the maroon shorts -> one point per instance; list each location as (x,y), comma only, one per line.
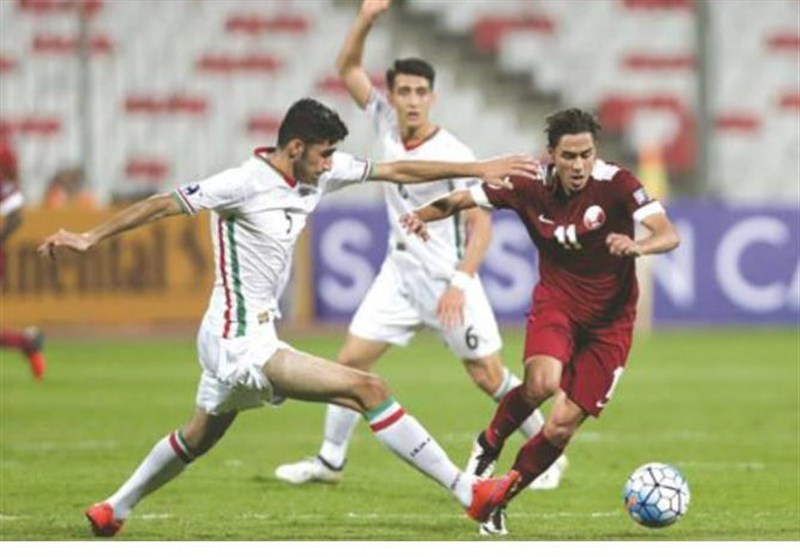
(593,357)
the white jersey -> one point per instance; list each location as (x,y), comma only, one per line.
(257,215)
(445,248)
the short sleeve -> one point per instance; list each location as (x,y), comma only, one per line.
(221,191)
(345,170)
(637,201)
(382,114)
(11,198)
(493,197)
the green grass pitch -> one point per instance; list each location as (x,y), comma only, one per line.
(723,406)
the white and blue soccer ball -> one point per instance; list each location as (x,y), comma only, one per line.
(656,495)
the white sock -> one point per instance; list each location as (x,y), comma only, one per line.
(166,460)
(339,425)
(535,421)
(406,437)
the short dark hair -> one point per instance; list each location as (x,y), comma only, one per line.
(410,66)
(311,122)
(570,121)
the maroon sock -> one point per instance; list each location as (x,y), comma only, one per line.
(13,339)
(533,458)
(510,413)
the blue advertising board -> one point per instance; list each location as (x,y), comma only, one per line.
(736,265)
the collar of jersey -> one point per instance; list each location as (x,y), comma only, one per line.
(411,146)
(261,154)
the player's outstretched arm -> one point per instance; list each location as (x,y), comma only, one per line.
(148,210)
(348,62)
(438,209)
(663,238)
(495,171)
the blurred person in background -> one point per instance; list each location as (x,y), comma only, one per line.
(67,188)
(433,284)
(258,210)
(580,213)
(29,340)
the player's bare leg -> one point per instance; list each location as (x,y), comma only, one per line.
(340,422)
(166,460)
(306,377)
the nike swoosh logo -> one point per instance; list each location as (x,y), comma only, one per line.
(545,220)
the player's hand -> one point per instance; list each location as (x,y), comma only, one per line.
(371,9)
(415,225)
(450,309)
(65,239)
(622,245)
(499,171)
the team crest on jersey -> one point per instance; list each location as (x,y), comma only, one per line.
(594,217)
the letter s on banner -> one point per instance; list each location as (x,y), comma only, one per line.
(752,297)
(345,294)
(511,295)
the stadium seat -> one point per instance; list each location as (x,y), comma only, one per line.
(46,43)
(7,63)
(37,125)
(227,63)
(50,7)
(255,24)
(150,170)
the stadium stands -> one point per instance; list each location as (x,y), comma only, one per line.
(188,92)
(634,62)
(203,81)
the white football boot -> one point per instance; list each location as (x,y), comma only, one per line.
(312,469)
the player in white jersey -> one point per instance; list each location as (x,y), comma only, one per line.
(434,283)
(257,213)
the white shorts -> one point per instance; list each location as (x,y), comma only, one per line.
(403,299)
(233,377)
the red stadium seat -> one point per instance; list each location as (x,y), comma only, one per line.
(35,125)
(332,85)
(46,43)
(147,169)
(787,41)
(178,103)
(257,24)
(659,4)
(658,62)
(737,122)
(7,63)
(226,63)
(49,7)
(488,31)
(263,124)
(790,101)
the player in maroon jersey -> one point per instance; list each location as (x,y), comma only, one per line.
(28,340)
(580,213)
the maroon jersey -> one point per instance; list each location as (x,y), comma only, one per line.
(576,270)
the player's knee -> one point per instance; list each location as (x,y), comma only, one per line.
(540,387)
(371,391)
(559,433)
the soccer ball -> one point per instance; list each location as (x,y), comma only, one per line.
(656,495)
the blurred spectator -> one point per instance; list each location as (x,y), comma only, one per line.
(67,188)
(29,341)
